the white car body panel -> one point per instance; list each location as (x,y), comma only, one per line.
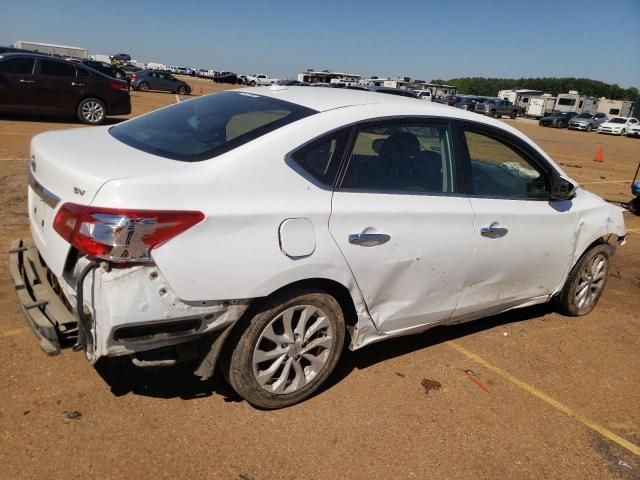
(267,226)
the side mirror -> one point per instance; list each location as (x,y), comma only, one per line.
(562,189)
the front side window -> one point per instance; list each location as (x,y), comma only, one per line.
(208,126)
(499,170)
(57,69)
(401,158)
(17,66)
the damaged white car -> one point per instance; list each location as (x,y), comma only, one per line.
(260,230)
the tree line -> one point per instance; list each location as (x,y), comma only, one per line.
(490,86)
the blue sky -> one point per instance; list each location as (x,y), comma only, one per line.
(421,39)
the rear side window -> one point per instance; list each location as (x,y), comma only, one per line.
(19,66)
(499,170)
(82,72)
(401,158)
(208,126)
(321,158)
(58,69)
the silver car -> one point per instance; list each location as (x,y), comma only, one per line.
(587,121)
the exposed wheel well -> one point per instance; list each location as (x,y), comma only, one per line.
(333,288)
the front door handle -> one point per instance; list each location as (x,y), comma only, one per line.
(74,84)
(369,239)
(27,81)
(495,230)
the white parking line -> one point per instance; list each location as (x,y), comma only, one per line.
(177,99)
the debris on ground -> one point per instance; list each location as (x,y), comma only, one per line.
(73,415)
(429,385)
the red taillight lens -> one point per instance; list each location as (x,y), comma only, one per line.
(133,76)
(120,235)
(118,86)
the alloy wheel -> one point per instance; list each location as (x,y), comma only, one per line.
(591,281)
(92,111)
(292,349)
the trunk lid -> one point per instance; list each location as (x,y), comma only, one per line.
(72,166)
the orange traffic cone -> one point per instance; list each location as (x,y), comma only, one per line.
(599,155)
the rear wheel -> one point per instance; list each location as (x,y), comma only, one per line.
(492,113)
(143,86)
(513,115)
(252,83)
(589,128)
(586,282)
(92,111)
(287,350)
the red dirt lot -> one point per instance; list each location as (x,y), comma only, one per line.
(558,397)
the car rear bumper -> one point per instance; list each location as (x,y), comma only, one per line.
(125,311)
(47,314)
(121,105)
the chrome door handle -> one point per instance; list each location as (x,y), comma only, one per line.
(495,230)
(369,239)
(27,81)
(74,84)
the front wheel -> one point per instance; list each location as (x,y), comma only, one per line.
(182,90)
(91,111)
(589,128)
(143,86)
(288,349)
(513,115)
(585,282)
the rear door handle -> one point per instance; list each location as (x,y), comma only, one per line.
(369,239)
(495,230)
(27,81)
(74,84)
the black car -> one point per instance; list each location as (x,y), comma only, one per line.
(225,77)
(145,80)
(122,57)
(468,103)
(106,68)
(43,85)
(557,119)
(387,90)
(292,83)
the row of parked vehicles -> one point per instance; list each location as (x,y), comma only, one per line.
(589,121)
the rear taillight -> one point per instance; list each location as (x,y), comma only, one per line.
(118,86)
(134,76)
(120,235)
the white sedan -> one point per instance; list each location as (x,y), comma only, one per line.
(264,228)
(618,125)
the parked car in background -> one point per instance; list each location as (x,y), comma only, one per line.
(130,69)
(226,77)
(634,131)
(43,85)
(393,91)
(109,69)
(450,100)
(358,229)
(260,79)
(292,83)
(557,119)
(469,103)
(424,95)
(122,57)
(497,107)
(146,80)
(183,71)
(587,121)
(618,125)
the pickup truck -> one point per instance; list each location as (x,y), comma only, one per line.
(260,79)
(497,107)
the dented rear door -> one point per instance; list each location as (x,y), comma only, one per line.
(404,231)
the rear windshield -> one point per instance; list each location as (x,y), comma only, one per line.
(205,127)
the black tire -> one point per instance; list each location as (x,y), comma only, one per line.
(91,111)
(182,90)
(143,86)
(237,358)
(568,301)
(492,113)
(634,206)
(252,83)
(513,115)
(589,128)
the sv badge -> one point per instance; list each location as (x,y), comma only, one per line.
(78,191)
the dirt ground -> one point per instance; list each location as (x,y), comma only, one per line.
(553,397)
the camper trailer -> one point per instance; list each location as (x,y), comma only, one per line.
(574,102)
(615,108)
(540,106)
(519,97)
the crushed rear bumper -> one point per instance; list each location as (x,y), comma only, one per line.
(51,320)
